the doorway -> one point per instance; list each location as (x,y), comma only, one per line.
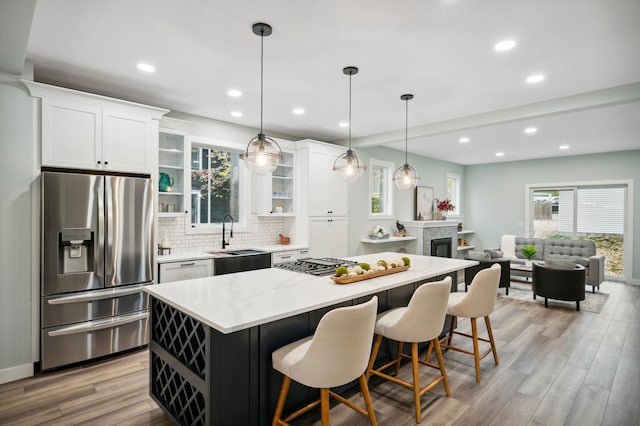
(596,212)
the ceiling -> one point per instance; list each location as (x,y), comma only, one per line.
(439,50)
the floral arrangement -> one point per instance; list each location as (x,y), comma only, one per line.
(378,231)
(444,205)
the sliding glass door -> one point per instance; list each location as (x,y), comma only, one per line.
(594,212)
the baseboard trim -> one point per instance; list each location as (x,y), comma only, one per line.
(16,373)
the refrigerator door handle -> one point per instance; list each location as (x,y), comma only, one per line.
(98,325)
(96,295)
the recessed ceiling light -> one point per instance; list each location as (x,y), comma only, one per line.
(344,124)
(563,147)
(236,114)
(530,130)
(146,67)
(535,78)
(298,111)
(234,93)
(464,139)
(500,154)
(504,45)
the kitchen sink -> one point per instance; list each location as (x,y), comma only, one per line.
(247,252)
(227,262)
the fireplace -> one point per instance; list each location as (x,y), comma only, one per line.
(441,247)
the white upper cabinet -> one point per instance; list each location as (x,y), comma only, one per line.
(327,192)
(85,131)
(71,134)
(126,141)
(274,194)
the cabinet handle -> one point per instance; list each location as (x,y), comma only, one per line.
(187,264)
(106,162)
(285,257)
(186,212)
(99,162)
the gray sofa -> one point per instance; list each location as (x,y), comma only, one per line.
(581,252)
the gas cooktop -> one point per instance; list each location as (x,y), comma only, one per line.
(318,267)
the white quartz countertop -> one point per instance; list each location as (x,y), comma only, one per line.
(234,302)
(196,255)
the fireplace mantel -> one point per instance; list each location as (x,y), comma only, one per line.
(430,223)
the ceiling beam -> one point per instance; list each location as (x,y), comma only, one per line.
(15,26)
(597,99)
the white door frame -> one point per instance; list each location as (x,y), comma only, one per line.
(628,218)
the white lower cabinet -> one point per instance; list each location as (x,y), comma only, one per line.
(185,270)
(328,237)
(284,256)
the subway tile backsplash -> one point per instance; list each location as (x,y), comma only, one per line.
(263,231)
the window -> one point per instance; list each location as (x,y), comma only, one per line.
(453,193)
(217,180)
(380,189)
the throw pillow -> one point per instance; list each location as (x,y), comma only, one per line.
(494,254)
(478,255)
(559,264)
(508,246)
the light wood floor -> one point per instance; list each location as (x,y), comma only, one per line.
(557,367)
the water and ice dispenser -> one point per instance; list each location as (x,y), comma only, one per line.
(75,250)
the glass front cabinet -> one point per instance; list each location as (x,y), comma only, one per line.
(171,164)
(274,195)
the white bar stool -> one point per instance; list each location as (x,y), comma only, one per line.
(421,321)
(335,355)
(477,303)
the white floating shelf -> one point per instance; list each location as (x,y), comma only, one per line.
(466,232)
(169,193)
(387,240)
(462,248)
(166,166)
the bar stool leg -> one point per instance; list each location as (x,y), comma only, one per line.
(429,350)
(374,353)
(364,388)
(493,343)
(286,381)
(454,322)
(324,406)
(435,342)
(399,357)
(476,357)
(416,380)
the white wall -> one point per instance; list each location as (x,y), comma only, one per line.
(495,193)
(18,173)
(432,173)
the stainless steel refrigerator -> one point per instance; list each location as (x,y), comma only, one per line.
(97,254)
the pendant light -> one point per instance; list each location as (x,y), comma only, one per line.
(348,166)
(263,154)
(405,177)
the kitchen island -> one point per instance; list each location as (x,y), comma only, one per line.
(212,338)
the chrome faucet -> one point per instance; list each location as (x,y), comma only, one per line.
(225,243)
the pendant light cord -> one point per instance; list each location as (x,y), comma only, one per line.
(350,75)
(406,127)
(261,76)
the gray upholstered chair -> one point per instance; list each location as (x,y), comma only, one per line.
(421,321)
(505,273)
(336,354)
(560,283)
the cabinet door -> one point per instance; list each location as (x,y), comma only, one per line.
(71,134)
(327,193)
(126,144)
(328,237)
(186,270)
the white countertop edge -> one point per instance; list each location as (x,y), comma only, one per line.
(363,288)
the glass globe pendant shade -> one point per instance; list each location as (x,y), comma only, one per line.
(349,167)
(405,177)
(262,155)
